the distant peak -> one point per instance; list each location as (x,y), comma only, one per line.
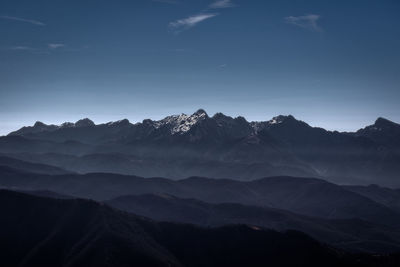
(281,119)
(39,124)
(201,112)
(221,116)
(67,124)
(123,122)
(182,123)
(148,122)
(84,123)
(241,119)
(383,122)
(119,123)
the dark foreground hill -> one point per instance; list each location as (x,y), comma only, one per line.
(350,234)
(37,231)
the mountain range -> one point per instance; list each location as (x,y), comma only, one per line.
(220,146)
(194,190)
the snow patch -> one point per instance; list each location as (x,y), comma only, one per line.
(180,124)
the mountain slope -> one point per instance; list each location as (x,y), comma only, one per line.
(83,233)
(41,231)
(30,167)
(171,168)
(21,144)
(353,234)
(384,132)
(306,196)
(386,196)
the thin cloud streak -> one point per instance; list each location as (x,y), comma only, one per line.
(25,49)
(30,21)
(222,4)
(21,48)
(309,22)
(40,50)
(189,22)
(55,46)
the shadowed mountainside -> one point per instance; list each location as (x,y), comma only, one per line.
(39,231)
(349,234)
(31,167)
(386,196)
(306,196)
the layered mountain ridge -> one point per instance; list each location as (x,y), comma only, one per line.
(178,124)
(37,231)
(220,146)
(355,219)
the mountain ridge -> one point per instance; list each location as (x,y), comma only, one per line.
(219,146)
(86,122)
(307,196)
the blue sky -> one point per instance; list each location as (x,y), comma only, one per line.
(334,64)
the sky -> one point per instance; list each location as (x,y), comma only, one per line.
(333,64)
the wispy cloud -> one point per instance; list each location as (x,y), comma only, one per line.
(25,49)
(55,46)
(309,22)
(189,22)
(222,4)
(21,48)
(30,21)
(47,49)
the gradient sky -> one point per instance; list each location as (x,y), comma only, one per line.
(333,64)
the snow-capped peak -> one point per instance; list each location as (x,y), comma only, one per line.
(275,121)
(182,123)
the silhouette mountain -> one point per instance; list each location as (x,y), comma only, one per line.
(384,132)
(39,231)
(349,234)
